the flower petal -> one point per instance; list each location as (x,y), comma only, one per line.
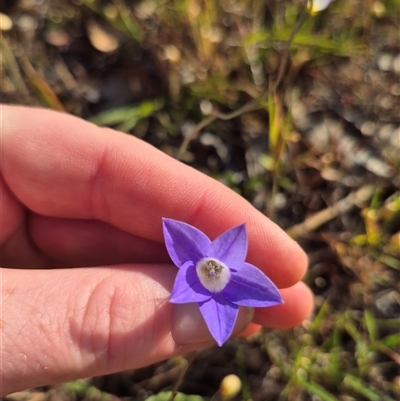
(220,316)
(230,247)
(187,286)
(184,242)
(249,286)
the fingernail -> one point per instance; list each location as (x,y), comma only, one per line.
(189,327)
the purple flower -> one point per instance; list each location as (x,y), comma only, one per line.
(215,275)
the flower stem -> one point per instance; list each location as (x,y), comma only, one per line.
(181,376)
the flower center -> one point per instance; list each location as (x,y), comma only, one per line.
(213,274)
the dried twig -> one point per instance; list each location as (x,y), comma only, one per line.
(254,104)
(313,222)
(12,68)
(387,351)
(250,106)
(44,90)
(181,376)
(285,58)
(193,134)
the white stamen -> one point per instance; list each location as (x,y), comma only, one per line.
(213,274)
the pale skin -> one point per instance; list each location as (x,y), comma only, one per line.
(85,276)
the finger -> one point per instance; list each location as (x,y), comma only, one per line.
(251,329)
(71,242)
(83,322)
(298,305)
(93,321)
(16,248)
(58,165)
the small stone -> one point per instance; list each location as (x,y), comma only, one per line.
(386,132)
(206,107)
(279,200)
(352,115)
(146,9)
(396,64)
(379,9)
(230,386)
(387,302)
(100,38)
(27,23)
(172,53)
(368,128)
(320,282)
(378,167)
(385,62)
(5,22)
(395,139)
(395,90)
(386,102)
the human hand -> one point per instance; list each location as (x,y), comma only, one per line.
(86,278)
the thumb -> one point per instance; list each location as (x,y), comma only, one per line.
(59,325)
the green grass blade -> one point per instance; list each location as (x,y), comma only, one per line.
(370,323)
(127,117)
(317,390)
(166,396)
(391,341)
(362,388)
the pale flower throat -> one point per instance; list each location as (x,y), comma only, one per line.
(213,274)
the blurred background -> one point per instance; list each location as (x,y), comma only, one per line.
(295,110)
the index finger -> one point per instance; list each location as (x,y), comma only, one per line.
(61,166)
